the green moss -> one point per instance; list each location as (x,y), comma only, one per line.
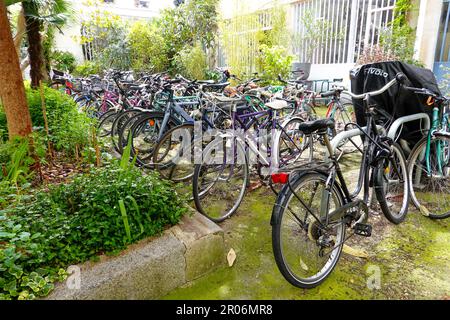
(413,259)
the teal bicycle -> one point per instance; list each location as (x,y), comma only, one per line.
(429,162)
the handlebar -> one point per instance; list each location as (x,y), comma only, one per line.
(399,79)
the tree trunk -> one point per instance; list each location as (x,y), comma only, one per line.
(12,91)
(35,49)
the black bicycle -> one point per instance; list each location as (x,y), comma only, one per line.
(315,208)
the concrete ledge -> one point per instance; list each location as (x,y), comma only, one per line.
(153,267)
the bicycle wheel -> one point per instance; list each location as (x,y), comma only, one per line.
(146,133)
(125,130)
(305,252)
(105,127)
(174,154)
(293,145)
(391,186)
(117,125)
(218,183)
(430,183)
(342,116)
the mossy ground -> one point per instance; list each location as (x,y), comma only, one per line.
(413,258)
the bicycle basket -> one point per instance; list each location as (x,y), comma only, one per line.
(397,102)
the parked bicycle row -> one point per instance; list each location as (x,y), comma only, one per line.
(213,139)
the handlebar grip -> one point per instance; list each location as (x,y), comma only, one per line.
(401,77)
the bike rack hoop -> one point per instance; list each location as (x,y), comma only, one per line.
(392,131)
(401,121)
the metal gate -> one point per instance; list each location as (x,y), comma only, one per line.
(354,25)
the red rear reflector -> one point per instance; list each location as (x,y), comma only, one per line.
(280,178)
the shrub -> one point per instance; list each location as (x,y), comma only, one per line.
(68,128)
(73,223)
(63,61)
(147,48)
(191,62)
(87,68)
(273,61)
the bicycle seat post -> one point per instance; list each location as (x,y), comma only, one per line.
(327,142)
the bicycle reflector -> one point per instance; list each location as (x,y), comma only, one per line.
(280,178)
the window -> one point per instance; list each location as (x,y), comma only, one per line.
(142,3)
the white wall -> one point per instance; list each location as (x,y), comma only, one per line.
(427,31)
(331,72)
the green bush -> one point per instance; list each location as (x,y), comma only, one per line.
(68,128)
(147,48)
(87,68)
(191,62)
(63,61)
(273,61)
(72,223)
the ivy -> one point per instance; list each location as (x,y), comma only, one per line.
(399,40)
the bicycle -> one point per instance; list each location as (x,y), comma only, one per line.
(220,181)
(429,161)
(315,207)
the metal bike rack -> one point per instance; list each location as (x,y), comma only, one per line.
(401,121)
(391,134)
(347,135)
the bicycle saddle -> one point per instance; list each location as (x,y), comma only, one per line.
(277,105)
(316,126)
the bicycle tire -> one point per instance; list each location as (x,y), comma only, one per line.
(420,201)
(280,210)
(380,191)
(200,194)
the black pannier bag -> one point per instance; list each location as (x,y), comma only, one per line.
(397,101)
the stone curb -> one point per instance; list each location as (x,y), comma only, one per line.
(151,268)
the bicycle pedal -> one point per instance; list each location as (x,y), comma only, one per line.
(363,230)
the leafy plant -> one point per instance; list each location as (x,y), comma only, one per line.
(100,212)
(398,39)
(87,68)
(273,61)
(191,22)
(243,37)
(68,128)
(108,33)
(317,31)
(191,62)
(147,48)
(63,61)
